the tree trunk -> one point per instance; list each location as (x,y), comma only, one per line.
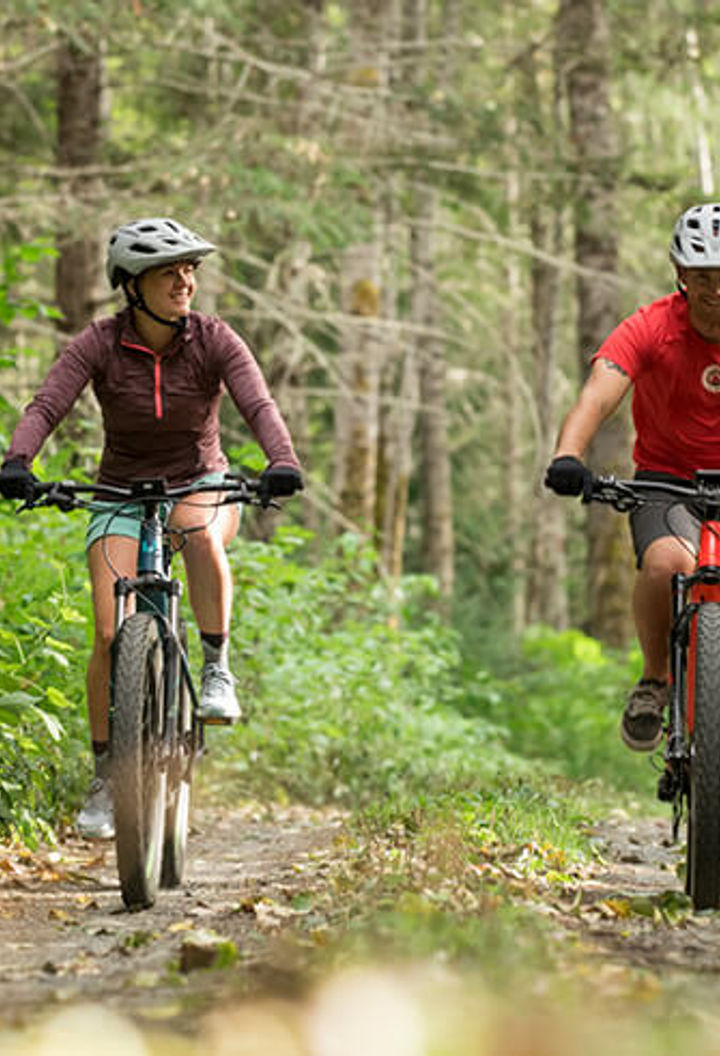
(585,48)
(78,273)
(357,419)
(437,523)
(547,599)
(399,402)
(702,113)
(547,590)
(357,423)
(79,265)
(515,499)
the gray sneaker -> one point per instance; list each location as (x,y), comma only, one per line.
(218,703)
(642,721)
(96,821)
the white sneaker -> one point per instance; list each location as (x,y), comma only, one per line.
(218,702)
(96,819)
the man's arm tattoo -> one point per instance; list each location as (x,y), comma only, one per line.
(614,366)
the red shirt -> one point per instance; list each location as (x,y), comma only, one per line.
(159,411)
(676,387)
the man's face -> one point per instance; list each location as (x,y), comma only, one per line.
(702,286)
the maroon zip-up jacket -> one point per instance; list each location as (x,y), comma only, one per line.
(159,411)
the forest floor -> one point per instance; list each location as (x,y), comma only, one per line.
(249,917)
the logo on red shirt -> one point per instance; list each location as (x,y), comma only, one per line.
(711,378)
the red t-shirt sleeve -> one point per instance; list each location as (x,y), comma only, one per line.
(629,344)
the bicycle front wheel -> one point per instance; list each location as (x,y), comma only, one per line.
(182,756)
(703,851)
(139,780)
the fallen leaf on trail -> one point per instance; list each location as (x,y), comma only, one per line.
(643,906)
(136,940)
(62,915)
(617,907)
(86,901)
(181,925)
(271,914)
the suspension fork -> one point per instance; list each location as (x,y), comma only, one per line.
(679,639)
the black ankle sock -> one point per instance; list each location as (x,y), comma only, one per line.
(215,648)
(216,640)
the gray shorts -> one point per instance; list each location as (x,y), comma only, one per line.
(660,517)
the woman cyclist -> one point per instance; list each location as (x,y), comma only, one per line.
(158,370)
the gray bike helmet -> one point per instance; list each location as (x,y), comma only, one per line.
(143,244)
(696,238)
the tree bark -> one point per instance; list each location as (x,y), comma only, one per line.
(78,273)
(357,421)
(547,590)
(435,475)
(547,598)
(583,33)
(515,499)
(79,265)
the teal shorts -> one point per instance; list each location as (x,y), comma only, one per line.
(124,518)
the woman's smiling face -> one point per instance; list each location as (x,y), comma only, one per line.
(169,289)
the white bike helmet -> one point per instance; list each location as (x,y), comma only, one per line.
(696,238)
(143,244)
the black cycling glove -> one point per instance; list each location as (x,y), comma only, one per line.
(567,475)
(16,480)
(277,481)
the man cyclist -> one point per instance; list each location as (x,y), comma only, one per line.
(669,353)
(158,370)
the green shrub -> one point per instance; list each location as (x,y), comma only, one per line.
(350,685)
(43,648)
(563,706)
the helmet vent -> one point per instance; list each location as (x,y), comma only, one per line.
(141,247)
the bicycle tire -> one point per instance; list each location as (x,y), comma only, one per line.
(703,851)
(177,813)
(139,779)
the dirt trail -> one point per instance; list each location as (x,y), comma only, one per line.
(633,906)
(65,935)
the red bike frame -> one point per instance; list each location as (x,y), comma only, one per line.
(700,592)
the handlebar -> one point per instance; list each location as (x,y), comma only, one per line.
(69,495)
(628,495)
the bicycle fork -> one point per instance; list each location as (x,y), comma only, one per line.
(672,785)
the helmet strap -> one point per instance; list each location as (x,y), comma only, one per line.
(137,301)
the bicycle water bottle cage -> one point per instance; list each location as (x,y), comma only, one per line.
(152,486)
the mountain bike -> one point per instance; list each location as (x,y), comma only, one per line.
(156,731)
(691,773)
